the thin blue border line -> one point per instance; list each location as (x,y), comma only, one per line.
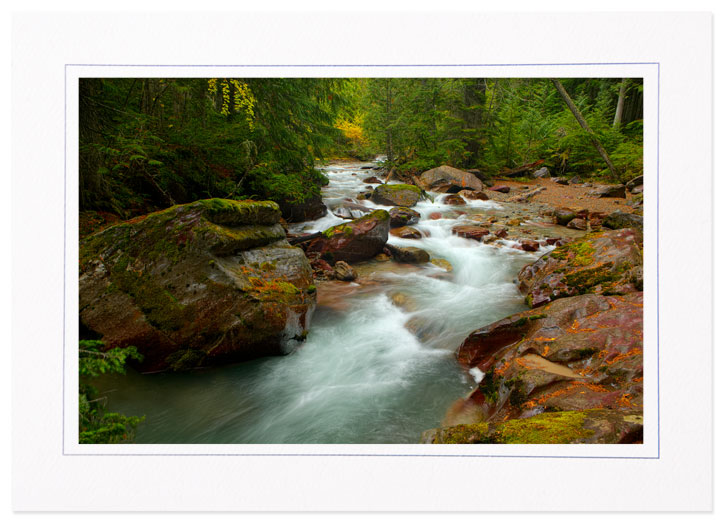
(65,204)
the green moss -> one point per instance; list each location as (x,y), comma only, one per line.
(490,386)
(236,213)
(311,289)
(586,280)
(583,353)
(464,434)
(547,428)
(517,397)
(401,187)
(185,360)
(161,308)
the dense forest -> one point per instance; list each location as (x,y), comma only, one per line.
(149,143)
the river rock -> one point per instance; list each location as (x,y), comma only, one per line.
(406,232)
(577,224)
(542,173)
(562,216)
(470,232)
(344,272)
(454,200)
(307,210)
(472,195)
(618,220)
(441,176)
(402,216)
(351,211)
(500,188)
(577,353)
(529,245)
(397,195)
(608,262)
(442,263)
(372,180)
(353,241)
(209,282)
(408,254)
(612,191)
(364,195)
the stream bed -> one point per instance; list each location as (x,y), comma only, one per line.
(379,362)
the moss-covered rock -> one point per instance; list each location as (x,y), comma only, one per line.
(607,263)
(598,426)
(397,195)
(212,281)
(353,241)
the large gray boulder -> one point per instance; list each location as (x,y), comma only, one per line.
(444,177)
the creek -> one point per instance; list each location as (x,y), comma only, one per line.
(379,362)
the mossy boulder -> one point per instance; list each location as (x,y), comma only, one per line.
(577,353)
(408,254)
(599,426)
(397,195)
(353,241)
(607,263)
(619,220)
(209,282)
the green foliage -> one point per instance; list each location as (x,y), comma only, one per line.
(95,424)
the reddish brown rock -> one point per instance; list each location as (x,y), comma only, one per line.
(500,188)
(473,195)
(609,262)
(353,241)
(529,246)
(372,180)
(406,232)
(435,216)
(576,353)
(402,216)
(577,224)
(470,232)
(344,272)
(453,200)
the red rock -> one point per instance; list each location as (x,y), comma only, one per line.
(453,200)
(577,224)
(406,232)
(470,232)
(529,246)
(354,241)
(372,180)
(473,195)
(435,216)
(500,188)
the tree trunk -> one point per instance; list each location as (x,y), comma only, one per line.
(583,123)
(91,187)
(620,104)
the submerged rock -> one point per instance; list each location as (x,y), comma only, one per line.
(447,176)
(609,262)
(454,200)
(473,195)
(408,254)
(406,232)
(353,241)
(397,195)
(470,232)
(442,263)
(198,284)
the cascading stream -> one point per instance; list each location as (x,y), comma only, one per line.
(378,365)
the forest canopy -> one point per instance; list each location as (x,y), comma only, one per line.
(149,143)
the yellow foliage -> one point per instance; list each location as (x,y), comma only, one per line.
(243,97)
(352,130)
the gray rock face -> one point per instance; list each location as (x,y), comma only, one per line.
(542,173)
(397,195)
(609,191)
(637,181)
(448,176)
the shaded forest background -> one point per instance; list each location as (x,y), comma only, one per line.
(146,144)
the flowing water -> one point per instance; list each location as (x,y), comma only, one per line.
(379,362)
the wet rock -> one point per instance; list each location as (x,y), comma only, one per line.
(402,216)
(442,263)
(454,200)
(608,262)
(500,188)
(513,222)
(308,210)
(609,191)
(577,224)
(595,426)
(637,181)
(542,173)
(372,180)
(403,301)
(209,282)
(397,195)
(408,254)
(322,269)
(472,195)
(563,216)
(364,196)
(344,272)
(435,216)
(529,246)
(354,241)
(382,257)
(446,175)
(501,234)
(406,232)
(470,232)
(351,211)
(618,220)
(577,353)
